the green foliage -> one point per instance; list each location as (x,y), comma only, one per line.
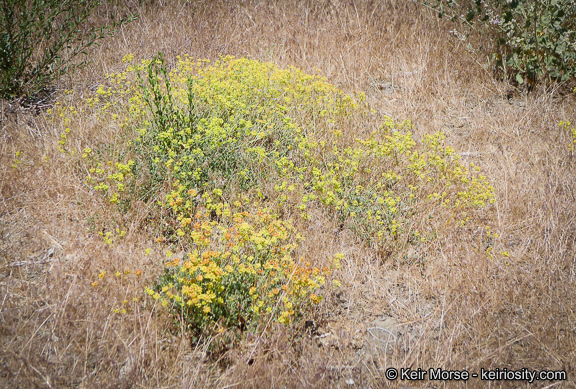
(39,40)
(531,40)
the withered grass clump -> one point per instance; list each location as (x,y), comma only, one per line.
(463,297)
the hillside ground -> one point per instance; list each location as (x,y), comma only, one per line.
(458,309)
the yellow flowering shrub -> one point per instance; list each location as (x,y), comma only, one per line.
(240,273)
(227,152)
(381,185)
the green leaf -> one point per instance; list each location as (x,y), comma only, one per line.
(470,15)
(26,25)
(519,78)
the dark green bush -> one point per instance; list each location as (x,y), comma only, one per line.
(531,40)
(39,40)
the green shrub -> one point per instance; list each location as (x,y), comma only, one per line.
(39,40)
(531,40)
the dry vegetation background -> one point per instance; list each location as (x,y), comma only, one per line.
(458,310)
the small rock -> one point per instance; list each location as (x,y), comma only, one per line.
(382,333)
(127,368)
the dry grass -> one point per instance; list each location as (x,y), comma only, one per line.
(459,311)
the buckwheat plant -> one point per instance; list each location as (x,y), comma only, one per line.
(234,159)
(241,273)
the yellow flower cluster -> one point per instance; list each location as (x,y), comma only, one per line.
(566,125)
(17,160)
(125,282)
(112,236)
(241,270)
